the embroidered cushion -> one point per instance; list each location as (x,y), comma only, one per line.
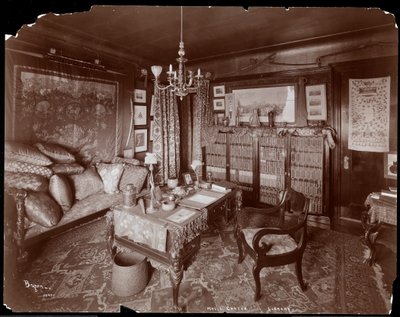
(67,168)
(56,152)
(110,175)
(132,161)
(42,209)
(135,175)
(22,167)
(15,151)
(280,243)
(61,191)
(87,183)
(26,181)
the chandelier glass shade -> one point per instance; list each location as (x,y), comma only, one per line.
(179,81)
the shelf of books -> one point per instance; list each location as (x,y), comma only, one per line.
(216,158)
(241,162)
(272,168)
(307,166)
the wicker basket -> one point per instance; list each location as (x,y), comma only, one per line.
(129,273)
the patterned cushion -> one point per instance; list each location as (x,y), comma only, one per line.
(110,175)
(57,153)
(26,181)
(25,153)
(280,243)
(135,175)
(87,183)
(61,191)
(132,161)
(67,168)
(43,210)
(22,167)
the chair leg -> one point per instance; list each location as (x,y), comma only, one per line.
(299,275)
(256,275)
(240,247)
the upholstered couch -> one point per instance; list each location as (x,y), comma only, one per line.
(52,192)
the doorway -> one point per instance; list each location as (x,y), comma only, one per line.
(359,173)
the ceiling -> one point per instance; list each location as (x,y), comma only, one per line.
(151,33)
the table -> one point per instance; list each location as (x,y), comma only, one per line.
(172,238)
(378,213)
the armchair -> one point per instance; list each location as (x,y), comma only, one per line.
(274,236)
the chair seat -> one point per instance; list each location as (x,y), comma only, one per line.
(280,243)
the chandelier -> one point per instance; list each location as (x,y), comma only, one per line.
(178,81)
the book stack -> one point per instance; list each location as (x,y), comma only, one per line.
(389,196)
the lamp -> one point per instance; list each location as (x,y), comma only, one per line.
(195,164)
(180,83)
(151,160)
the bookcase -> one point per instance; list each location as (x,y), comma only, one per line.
(262,165)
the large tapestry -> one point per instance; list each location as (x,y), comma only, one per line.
(79,113)
(369,114)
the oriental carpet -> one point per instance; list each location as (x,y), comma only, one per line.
(73,274)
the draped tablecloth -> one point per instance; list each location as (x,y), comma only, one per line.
(381,211)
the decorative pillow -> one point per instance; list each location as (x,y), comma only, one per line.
(87,183)
(26,181)
(56,152)
(67,168)
(132,161)
(22,167)
(111,175)
(135,175)
(61,191)
(43,210)
(25,153)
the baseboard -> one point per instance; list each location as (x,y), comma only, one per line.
(322,222)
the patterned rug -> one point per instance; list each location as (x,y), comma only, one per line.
(74,270)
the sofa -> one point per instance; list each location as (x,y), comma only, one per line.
(52,191)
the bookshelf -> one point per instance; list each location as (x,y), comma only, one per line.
(216,158)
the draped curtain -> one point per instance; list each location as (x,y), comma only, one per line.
(166,135)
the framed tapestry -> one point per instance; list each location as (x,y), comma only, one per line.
(79,113)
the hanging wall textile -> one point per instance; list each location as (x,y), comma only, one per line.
(369,114)
(79,113)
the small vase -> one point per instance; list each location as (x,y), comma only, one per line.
(254,120)
(271,116)
(172,183)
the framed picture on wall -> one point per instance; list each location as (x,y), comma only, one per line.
(139,95)
(390,165)
(140,140)
(316,102)
(219,104)
(140,115)
(219,91)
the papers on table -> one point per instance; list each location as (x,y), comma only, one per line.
(201,199)
(181,215)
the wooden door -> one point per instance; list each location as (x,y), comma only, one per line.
(359,172)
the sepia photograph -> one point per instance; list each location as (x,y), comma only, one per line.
(278,123)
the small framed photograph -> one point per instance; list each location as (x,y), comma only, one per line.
(219,91)
(151,130)
(219,104)
(316,102)
(140,115)
(390,165)
(141,140)
(188,179)
(139,95)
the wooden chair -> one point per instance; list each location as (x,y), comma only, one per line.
(274,236)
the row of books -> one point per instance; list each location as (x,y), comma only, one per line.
(241,151)
(306,173)
(269,195)
(241,163)
(272,153)
(215,148)
(216,160)
(307,159)
(272,167)
(272,181)
(273,142)
(241,176)
(316,206)
(308,144)
(307,188)
(218,173)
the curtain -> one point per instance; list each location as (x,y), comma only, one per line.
(166,136)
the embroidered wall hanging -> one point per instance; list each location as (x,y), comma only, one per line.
(369,114)
(79,113)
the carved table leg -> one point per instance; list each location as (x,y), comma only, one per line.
(176,274)
(370,235)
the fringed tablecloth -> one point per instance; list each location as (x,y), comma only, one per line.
(381,211)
